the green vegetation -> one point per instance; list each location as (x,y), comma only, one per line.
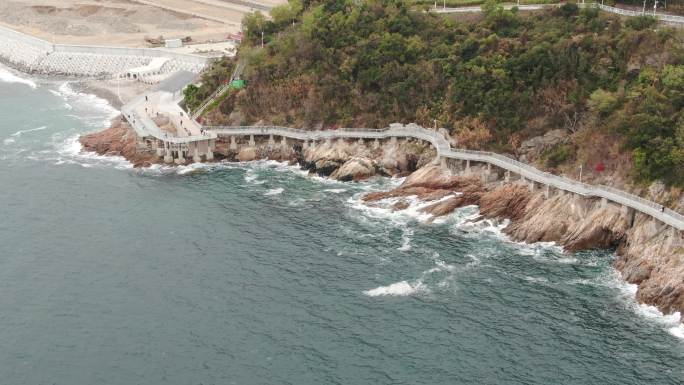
(493,82)
(669,6)
(465,3)
(220,73)
(558,154)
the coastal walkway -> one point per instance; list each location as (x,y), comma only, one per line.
(182,137)
(664,17)
(525,172)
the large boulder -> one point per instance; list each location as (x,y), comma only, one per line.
(247,154)
(532,148)
(357,168)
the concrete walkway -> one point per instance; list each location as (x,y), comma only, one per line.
(664,17)
(444,150)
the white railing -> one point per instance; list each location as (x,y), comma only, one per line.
(628,12)
(532,7)
(220,91)
(444,149)
(144,126)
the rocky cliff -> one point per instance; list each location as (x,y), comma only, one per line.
(119,139)
(650,254)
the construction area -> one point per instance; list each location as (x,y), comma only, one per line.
(129,23)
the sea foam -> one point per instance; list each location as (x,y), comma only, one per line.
(7,76)
(402,288)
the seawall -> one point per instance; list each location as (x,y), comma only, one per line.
(33,55)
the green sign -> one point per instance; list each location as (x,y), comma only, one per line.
(237,84)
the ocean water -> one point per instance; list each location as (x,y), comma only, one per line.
(259,274)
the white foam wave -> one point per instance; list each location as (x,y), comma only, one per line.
(406,239)
(468,220)
(402,288)
(9,77)
(386,208)
(536,279)
(627,294)
(70,152)
(677,331)
(439,276)
(20,132)
(335,190)
(84,103)
(275,191)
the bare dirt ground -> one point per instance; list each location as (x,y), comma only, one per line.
(127,22)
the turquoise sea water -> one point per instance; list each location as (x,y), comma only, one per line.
(259,274)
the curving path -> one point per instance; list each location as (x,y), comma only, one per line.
(667,18)
(444,150)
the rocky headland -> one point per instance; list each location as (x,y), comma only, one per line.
(649,253)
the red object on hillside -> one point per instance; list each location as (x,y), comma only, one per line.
(600,167)
(236,37)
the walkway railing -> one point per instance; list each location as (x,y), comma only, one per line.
(628,12)
(533,7)
(220,91)
(144,126)
(444,149)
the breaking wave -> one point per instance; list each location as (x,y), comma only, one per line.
(7,76)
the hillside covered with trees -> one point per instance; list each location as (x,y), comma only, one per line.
(616,87)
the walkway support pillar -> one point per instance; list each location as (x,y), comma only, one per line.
(196,154)
(443,163)
(210,149)
(547,192)
(305,145)
(233,144)
(284,141)
(271,141)
(251,141)
(181,157)
(507,177)
(376,143)
(168,154)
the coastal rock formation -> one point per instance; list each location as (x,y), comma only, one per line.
(356,160)
(650,254)
(247,154)
(532,148)
(356,168)
(120,140)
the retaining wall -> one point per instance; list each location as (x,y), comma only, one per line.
(36,55)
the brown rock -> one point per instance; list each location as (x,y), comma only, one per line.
(119,140)
(357,168)
(247,154)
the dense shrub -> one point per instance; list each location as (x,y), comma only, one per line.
(641,22)
(501,78)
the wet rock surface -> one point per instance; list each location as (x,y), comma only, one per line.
(119,140)
(649,254)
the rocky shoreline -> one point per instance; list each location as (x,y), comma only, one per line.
(649,254)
